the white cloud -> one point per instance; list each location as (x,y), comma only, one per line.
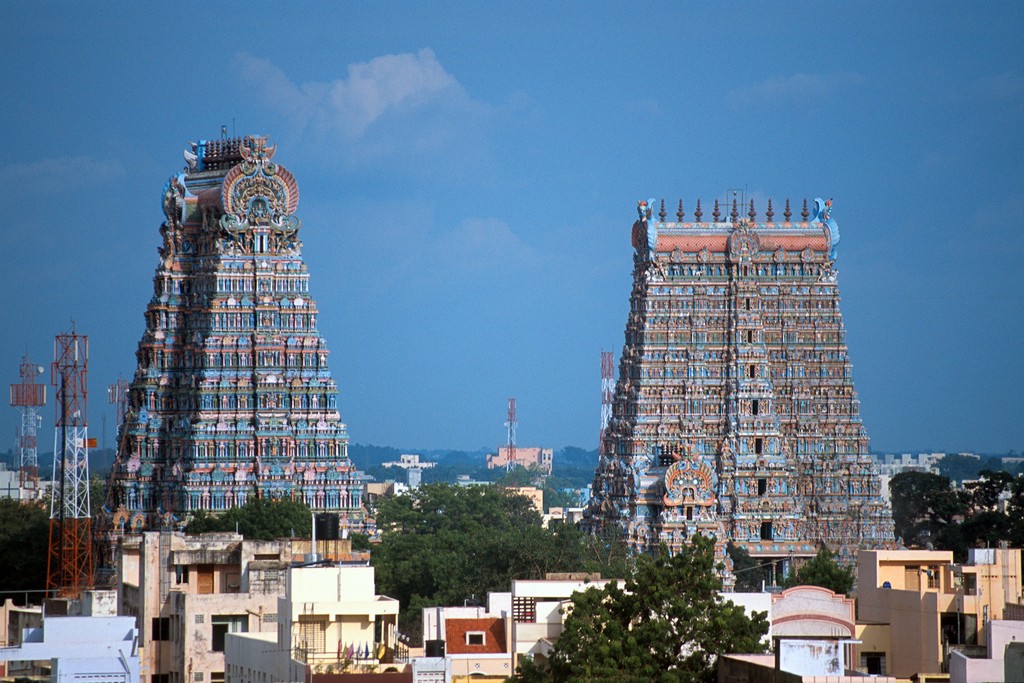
(371,91)
(791,90)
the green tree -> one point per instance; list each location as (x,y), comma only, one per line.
(824,571)
(24,545)
(925,508)
(749,572)
(448,545)
(668,624)
(259,519)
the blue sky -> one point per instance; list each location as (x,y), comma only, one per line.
(469,174)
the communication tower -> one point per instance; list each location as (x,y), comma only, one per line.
(69,566)
(117,394)
(511,424)
(607,390)
(29,397)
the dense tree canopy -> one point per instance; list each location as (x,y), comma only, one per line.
(259,518)
(24,541)
(448,545)
(824,571)
(927,510)
(668,624)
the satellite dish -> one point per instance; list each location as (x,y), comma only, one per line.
(39,369)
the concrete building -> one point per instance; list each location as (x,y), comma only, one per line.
(329,621)
(188,592)
(812,633)
(82,641)
(541,458)
(734,414)
(409,461)
(918,607)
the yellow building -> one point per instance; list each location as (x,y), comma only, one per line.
(329,621)
(929,606)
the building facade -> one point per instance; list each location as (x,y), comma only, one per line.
(232,396)
(735,414)
(187,592)
(541,458)
(329,621)
(933,607)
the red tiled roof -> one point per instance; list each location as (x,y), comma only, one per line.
(455,631)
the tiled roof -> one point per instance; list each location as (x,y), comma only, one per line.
(455,631)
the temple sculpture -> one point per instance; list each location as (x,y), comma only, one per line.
(232,397)
(734,414)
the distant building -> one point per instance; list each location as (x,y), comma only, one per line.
(407,461)
(536,496)
(541,458)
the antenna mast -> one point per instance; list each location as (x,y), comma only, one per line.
(69,566)
(607,391)
(29,397)
(511,424)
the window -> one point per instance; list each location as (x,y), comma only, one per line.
(216,677)
(762,486)
(161,628)
(197,676)
(758,445)
(475,638)
(180,574)
(752,371)
(873,663)
(755,407)
(159,678)
(766,531)
(223,624)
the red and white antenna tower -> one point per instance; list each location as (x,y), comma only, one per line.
(607,391)
(29,397)
(511,424)
(69,568)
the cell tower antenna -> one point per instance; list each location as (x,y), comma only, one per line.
(511,425)
(607,391)
(117,395)
(29,397)
(69,565)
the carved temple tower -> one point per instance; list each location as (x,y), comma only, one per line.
(735,413)
(232,396)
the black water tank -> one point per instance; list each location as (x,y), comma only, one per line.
(327,526)
(433,648)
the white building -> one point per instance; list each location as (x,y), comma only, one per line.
(95,647)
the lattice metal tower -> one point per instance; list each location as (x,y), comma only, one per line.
(69,568)
(29,397)
(511,425)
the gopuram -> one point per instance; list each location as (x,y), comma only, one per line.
(734,414)
(232,397)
